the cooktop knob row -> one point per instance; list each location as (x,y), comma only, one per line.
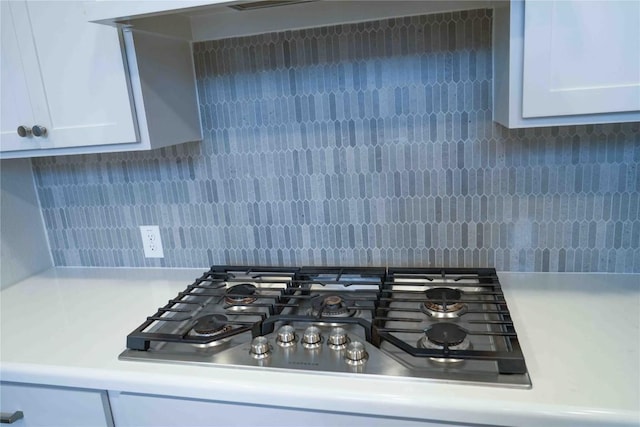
(354,352)
(312,337)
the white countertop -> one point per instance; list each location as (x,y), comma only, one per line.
(580,334)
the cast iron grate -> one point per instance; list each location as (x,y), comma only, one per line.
(388,301)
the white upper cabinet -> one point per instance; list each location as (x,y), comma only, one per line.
(16,105)
(93,88)
(581,57)
(68,72)
(566,62)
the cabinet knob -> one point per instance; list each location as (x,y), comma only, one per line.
(39,130)
(24,131)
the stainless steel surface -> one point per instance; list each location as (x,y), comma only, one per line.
(311,332)
(320,359)
(39,130)
(7,418)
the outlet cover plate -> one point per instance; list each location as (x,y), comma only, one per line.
(151,241)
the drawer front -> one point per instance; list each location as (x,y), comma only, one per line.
(55,406)
(145,410)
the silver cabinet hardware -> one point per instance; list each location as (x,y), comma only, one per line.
(24,131)
(39,130)
(6,418)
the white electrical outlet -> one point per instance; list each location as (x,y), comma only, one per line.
(151,241)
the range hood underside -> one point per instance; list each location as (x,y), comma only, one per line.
(222,21)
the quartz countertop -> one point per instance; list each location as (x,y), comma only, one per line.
(580,334)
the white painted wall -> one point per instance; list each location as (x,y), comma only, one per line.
(24,248)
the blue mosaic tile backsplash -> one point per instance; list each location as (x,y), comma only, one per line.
(361,144)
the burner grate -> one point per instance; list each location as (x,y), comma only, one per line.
(387,305)
(173,322)
(486,315)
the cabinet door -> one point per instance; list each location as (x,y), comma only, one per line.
(581,57)
(84,76)
(144,410)
(55,406)
(81,70)
(16,104)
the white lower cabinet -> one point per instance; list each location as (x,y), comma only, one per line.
(149,410)
(48,406)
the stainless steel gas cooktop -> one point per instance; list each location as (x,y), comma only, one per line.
(442,324)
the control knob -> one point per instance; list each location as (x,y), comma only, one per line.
(260,348)
(356,354)
(286,336)
(337,338)
(311,337)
